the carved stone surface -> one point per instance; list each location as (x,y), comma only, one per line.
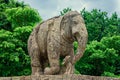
(59,77)
(53,39)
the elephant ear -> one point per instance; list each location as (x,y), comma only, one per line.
(66,23)
(66,19)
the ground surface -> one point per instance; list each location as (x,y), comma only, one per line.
(59,77)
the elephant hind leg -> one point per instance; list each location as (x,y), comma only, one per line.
(35,62)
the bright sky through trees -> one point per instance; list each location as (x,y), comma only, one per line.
(50,8)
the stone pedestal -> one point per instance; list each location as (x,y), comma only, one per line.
(59,77)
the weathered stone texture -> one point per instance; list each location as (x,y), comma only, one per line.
(59,77)
(53,39)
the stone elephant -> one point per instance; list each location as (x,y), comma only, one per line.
(53,39)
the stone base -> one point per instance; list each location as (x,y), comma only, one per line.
(59,77)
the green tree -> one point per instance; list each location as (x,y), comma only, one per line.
(13,57)
(113,28)
(8,4)
(65,10)
(114,42)
(100,25)
(96,23)
(22,16)
(15,27)
(4,23)
(101,57)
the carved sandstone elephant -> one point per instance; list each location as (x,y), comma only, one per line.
(53,39)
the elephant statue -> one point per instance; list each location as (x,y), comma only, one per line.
(53,39)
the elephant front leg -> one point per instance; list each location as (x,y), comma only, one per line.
(53,57)
(54,67)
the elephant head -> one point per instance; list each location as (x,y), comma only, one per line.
(75,30)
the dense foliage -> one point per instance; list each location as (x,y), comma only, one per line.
(102,55)
(99,25)
(16,23)
(65,11)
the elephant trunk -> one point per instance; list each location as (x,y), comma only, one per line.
(81,38)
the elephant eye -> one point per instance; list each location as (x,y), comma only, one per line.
(75,22)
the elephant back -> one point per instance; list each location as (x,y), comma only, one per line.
(48,31)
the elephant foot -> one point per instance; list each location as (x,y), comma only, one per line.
(71,72)
(51,71)
(36,71)
(48,71)
(37,74)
